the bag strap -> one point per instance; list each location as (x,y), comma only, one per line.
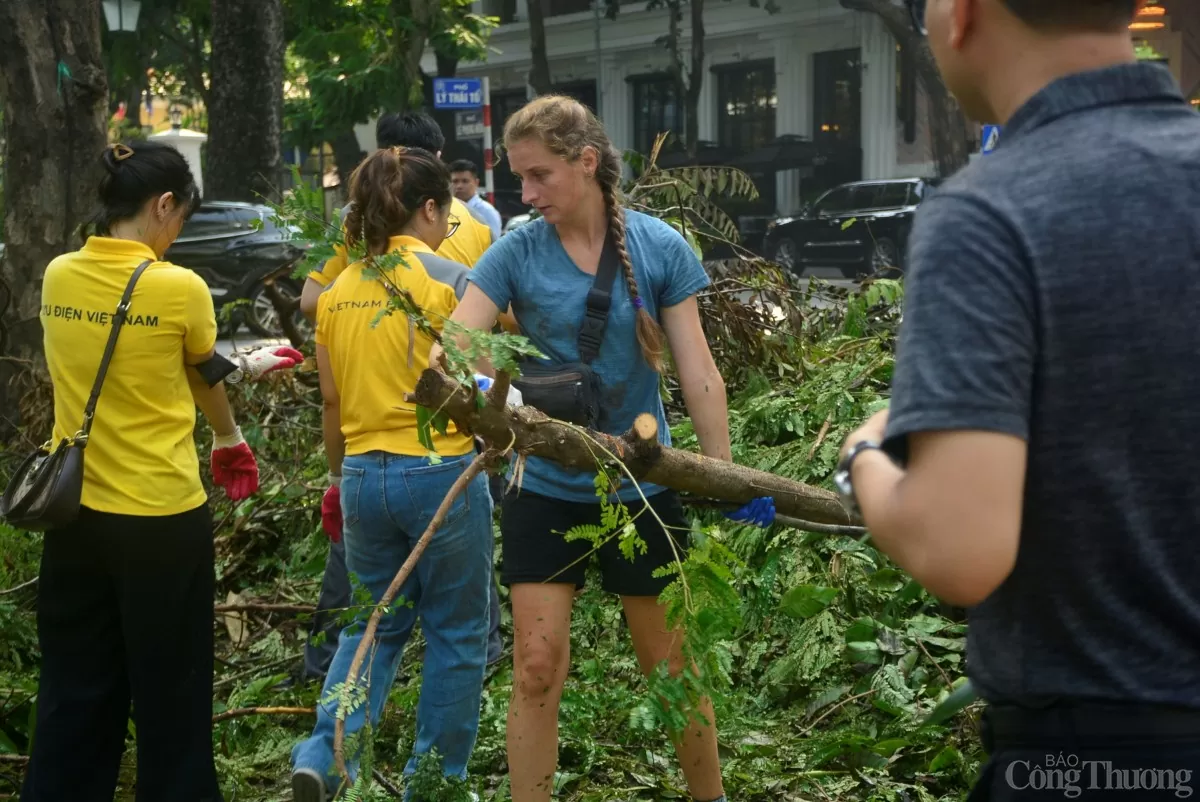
(119,316)
(599,301)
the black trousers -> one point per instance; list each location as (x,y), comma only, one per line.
(125,613)
(1089,751)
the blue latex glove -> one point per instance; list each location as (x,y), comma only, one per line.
(484,382)
(760,512)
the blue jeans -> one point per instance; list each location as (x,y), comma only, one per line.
(387,502)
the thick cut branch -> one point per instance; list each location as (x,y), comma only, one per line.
(368,638)
(533,433)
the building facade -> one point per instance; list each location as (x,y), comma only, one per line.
(812,69)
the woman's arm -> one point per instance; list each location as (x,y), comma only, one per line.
(331,414)
(701,382)
(475,311)
(212,401)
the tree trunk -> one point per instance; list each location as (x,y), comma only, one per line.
(539,71)
(412,25)
(528,431)
(246,115)
(947,124)
(347,154)
(55,95)
(691,113)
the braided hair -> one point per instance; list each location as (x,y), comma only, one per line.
(566,126)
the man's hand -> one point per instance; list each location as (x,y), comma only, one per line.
(874,429)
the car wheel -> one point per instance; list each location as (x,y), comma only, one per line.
(785,253)
(885,259)
(262,318)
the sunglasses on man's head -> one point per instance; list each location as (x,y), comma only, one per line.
(916,10)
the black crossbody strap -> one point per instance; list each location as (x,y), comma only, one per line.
(599,301)
(119,316)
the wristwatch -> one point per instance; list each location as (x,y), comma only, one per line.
(841,477)
(239,372)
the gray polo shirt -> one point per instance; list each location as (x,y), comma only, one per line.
(1054,295)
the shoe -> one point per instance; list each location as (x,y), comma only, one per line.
(308,786)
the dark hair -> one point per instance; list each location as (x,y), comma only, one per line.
(464,166)
(387,188)
(1091,15)
(412,129)
(566,126)
(136,172)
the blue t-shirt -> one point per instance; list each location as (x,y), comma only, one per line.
(529,269)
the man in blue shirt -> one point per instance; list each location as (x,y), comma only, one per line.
(1038,463)
(464,178)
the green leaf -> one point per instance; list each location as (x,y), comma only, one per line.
(953,704)
(805,601)
(849,223)
(945,759)
(424,419)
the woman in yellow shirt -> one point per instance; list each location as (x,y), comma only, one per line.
(126,591)
(384,485)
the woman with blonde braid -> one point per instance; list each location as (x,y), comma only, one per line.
(570,173)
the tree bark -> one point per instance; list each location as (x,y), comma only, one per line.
(695,80)
(55,96)
(412,25)
(529,431)
(539,71)
(947,123)
(347,154)
(246,116)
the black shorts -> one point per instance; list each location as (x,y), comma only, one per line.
(534,550)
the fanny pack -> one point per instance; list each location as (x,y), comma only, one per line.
(571,391)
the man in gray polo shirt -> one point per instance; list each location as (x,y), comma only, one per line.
(1040,462)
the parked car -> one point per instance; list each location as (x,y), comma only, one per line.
(234,247)
(860,228)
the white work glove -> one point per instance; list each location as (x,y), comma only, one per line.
(256,364)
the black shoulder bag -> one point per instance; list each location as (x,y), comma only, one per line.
(46,489)
(571,392)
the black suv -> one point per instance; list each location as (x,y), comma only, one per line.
(861,228)
(233,247)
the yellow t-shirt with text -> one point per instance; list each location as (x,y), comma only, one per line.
(370,364)
(465,246)
(141,458)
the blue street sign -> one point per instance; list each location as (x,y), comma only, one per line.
(991,138)
(457,93)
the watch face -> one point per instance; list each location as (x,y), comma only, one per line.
(841,480)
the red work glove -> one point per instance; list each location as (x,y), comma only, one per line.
(233,466)
(262,361)
(331,512)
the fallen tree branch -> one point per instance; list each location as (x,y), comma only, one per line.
(533,433)
(264,608)
(21,586)
(19,759)
(368,638)
(263,711)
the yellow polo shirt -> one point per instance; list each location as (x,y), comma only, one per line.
(370,364)
(141,458)
(466,246)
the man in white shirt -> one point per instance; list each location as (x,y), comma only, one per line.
(464,176)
